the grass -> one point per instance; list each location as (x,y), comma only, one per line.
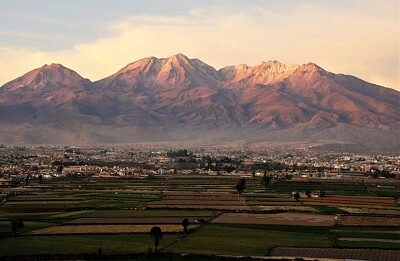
(79,244)
(367,244)
(74,214)
(227,240)
(29,215)
(285,228)
(329,210)
(41,205)
(367,232)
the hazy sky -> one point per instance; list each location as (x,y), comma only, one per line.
(97,38)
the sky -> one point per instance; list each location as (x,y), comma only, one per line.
(97,38)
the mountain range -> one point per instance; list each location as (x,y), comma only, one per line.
(182,99)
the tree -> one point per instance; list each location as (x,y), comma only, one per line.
(156,233)
(16,225)
(185,224)
(265,180)
(40,178)
(60,168)
(296,196)
(27,179)
(322,193)
(240,186)
(308,193)
(200,221)
(20,224)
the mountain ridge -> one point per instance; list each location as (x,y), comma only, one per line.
(177,98)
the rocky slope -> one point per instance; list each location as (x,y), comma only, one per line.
(178,98)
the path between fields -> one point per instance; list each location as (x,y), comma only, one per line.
(369,239)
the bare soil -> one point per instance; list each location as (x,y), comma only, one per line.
(368,221)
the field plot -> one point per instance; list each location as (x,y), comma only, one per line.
(37,205)
(367,243)
(124,196)
(354,200)
(72,214)
(280,218)
(14,214)
(79,216)
(220,239)
(77,244)
(358,254)
(139,220)
(366,232)
(378,237)
(285,208)
(160,205)
(200,200)
(5,226)
(121,213)
(383,211)
(360,239)
(347,220)
(107,229)
(335,188)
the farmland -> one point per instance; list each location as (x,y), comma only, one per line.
(79,216)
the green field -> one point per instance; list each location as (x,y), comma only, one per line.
(367,244)
(228,240)
(5,226)
(111,244)
(57,202)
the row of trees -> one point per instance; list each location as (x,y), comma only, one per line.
(265,181)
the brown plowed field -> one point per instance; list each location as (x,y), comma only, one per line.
(368,221)
(358,254)
(383,211)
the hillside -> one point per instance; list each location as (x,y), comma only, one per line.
(178,98)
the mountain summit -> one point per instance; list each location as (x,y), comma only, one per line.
(177,71)
(177,98)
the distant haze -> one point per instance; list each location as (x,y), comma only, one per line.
(357,37)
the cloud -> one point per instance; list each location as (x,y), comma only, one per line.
(364,44)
